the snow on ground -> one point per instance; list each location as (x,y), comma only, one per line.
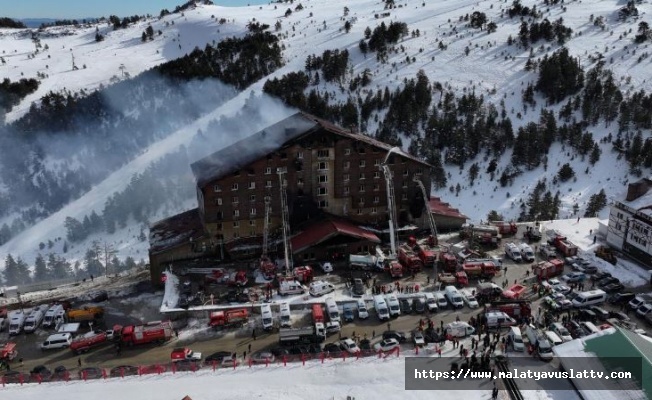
(581,234)
(366,378)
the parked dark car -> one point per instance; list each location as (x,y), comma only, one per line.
(419,305)
(60,373)
(400,336)
(237,296)
(621,298)
(590,269)
(613,287)
(91,373)
(40,372)
(587,315)
(606,281)
(365,344)
(601,313)
(358,287)
(123,370)
(619,315)
(406,306)
(187,365)
(432,336)
(217,357)
(575,329)
(280,352)
(314,348)
(15,377)
(600,275)
(332,350)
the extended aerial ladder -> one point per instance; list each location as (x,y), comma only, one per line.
(266,225)
(286,221)
(267,267)
(391,206)
(431,220)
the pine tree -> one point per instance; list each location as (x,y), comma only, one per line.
(16,271)
(41,272)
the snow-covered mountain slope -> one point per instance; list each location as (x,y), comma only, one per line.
(490,67)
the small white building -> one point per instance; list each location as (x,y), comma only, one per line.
(630,223)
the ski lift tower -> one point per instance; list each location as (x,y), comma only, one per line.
(391,206)
(286,220)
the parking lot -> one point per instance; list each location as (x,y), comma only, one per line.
(143,307)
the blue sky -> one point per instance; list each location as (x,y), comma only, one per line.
(96,8)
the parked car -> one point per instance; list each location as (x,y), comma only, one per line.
(99,296)
(601,313)
(332,350)
(14,376)
(387,345)
(60,372)
(123,370)
(280,352)
(263,357)
(187,365)
(590,269)
(600,275)
(399,336)
(586,314)
(40,371)
(219,358)
(563,289)
(551,303)
(347,315)
(418,339)
(349,346)
(619,315)
(574,277)
(91,373)
(606,281)
(613,287)
(644,309)
(622,298)
(406,306)
(358,288)
(419,305)
(365,344)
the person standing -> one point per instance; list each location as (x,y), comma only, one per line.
(79,362)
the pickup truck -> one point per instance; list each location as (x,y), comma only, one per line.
(184,353)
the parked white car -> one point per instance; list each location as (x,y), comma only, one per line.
(469,299)
(349,346)
(387,345)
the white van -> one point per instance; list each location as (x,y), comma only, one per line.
(454,297)
(589,298)
(291,287)
(50,318)
(332,310)
(363,313)
(459,329)
(512,251)
(16,322)
(57,341)
(431,301)
(540,342)
(33,321)
(320,288)
(267,317)
(561,331)
(553,338)
(381,307)
(393,305)
(516,338)
(442,303)
(497,319)
(526,252)
(285,315)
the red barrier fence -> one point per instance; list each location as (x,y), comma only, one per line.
(92,373)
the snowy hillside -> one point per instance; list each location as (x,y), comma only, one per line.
(447,49)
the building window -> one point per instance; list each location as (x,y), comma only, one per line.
(236,213)
(251,172)
(361,150)
(323,191)
(300,181)
(347,152)
(376,199)
(377,162)
(300,155)
(619,227)
(362,176)
(235,201)
(282,169)
(234,186)
(374,210)
(268,170)
(267,199)
(346,177)
(404,196)
(252,222)
(347,164)
(216,188)
(236,224)
(359,211)
(252,185)
(362,163)
(418,172)
(619,215)
(377,175)
(323,203)
(268,184)
(219,215)
(404,185)
(361,202)
(218,226)
(252,197)
(376,187)
(346,190)
(252,211)
(218,201)
(361,188)
(322,153)
(406,173)
(323,178)
(322,166)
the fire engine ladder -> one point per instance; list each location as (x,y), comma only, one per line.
(391,206)
(266,225)
(286,221)
(431,220)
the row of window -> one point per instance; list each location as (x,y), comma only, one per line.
(638,239)
(235,200)
(641,228)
